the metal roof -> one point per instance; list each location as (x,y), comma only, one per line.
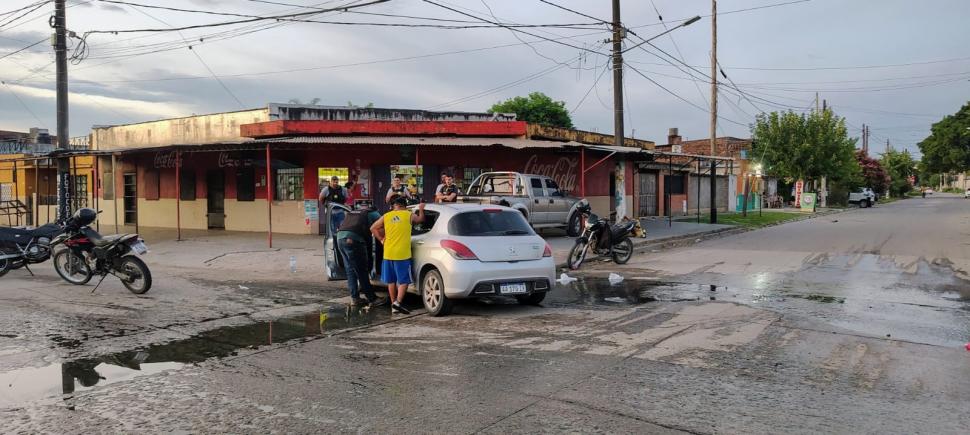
(516,143)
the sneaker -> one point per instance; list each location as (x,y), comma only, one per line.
(394,308)
(399,308)
(378,302)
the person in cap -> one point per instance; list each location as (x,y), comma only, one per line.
(334,193)
(353,242)
(394,231)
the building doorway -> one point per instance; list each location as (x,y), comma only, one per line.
(647,194)
(215,182)
(130,198)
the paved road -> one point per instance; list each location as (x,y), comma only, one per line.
(843,324)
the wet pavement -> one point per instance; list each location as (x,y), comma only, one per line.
(757,333)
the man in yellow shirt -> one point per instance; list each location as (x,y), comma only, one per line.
(394,231)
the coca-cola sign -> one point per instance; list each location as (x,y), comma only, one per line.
(564,170)
(227,160)
(167,159)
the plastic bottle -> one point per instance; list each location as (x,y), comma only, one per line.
(292,264)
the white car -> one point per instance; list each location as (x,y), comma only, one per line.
(466,251)
(966,194)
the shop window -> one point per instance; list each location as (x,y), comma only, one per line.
(187,185)
(469,175)
(674,184)
(152,192)
(245,184)
(289,185)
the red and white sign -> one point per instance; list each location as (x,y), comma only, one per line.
(565,170)
(799,188)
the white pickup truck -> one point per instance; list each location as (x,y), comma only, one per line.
(537,197)
(865,197)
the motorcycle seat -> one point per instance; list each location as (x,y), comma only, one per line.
(107,240)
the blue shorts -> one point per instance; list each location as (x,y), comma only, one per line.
(396,271)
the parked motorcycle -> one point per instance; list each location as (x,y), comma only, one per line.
(88,253)
(601,238)
(22,247)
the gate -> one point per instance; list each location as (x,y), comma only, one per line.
(647,194)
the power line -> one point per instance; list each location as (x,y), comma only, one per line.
(576,12)
(682,98)
(27,108)
(22,49)
(606,68)
(32,8)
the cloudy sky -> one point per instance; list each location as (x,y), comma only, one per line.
(895,65)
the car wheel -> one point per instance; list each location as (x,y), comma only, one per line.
(574,225)
(533,299)
(433,294)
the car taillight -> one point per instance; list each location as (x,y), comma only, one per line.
(458,250)
(548,251)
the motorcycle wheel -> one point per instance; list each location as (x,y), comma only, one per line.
(71,267)
(576,255)
(140,280)
(575,225)
(4,266)
(623,251)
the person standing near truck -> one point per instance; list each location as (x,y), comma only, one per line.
(397,189)
(394,231)
(352,242)
(447,192)
(336,194)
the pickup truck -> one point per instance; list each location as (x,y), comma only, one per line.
(864,197)
(537,197)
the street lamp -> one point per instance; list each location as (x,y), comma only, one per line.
(684,24)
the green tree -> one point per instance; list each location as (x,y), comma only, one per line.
(806,146)
(899,165)
(947,148)
(537,108)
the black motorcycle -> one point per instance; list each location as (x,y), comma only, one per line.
(602,239)
(22,247)
(88,253)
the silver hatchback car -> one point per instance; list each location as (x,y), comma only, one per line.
(467,251)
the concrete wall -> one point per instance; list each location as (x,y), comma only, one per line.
(219,127)
(705,196)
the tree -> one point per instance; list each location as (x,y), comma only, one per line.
(874,175)
(947,148)
(806,146)
(899,166)
(537,108)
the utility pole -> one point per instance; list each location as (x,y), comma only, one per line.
(617,76)
(63,166)
(713,111)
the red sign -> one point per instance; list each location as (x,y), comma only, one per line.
(167,160)
(799,188)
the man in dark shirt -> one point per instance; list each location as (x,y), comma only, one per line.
(352,242)
(449,191)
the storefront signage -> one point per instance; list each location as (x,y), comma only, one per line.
(564,170)
(799,188)
(411,175)
(324,175)
(227,161)
(167,159)
(807,202)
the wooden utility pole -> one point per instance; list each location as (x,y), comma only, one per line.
(63,139)
(713,111)
(617,76)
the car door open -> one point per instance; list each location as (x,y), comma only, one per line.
(333,263)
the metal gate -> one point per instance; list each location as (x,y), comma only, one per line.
(647,194)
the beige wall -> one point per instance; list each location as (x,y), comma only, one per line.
(288,217)
(220,127)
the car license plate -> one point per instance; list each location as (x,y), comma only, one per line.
(139,247)
(512,289)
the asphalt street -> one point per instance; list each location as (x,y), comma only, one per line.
(853,322)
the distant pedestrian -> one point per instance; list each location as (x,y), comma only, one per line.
(349,187)
(448,191)
(437,190)
(334,193)
(394,231)
(353,242)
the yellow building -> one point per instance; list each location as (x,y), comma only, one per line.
(28,188)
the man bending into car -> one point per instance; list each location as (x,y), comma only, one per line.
(394,231)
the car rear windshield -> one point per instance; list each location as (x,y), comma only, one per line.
(489,223)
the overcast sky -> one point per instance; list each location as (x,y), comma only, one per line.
(895,65)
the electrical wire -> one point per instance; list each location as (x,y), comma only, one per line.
(27,108)
(674,94)
(606,67)
(23,49)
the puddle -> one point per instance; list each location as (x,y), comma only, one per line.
(632,291)
(34,383)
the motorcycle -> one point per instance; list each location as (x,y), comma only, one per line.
(88,253)
(22,247)
(602,239)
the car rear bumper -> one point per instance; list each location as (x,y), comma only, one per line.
(485,278)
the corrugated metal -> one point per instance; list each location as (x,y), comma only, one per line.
(417,141)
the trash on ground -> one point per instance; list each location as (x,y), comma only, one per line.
(616,300)
(615,278)
(565,279)
(242,287)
